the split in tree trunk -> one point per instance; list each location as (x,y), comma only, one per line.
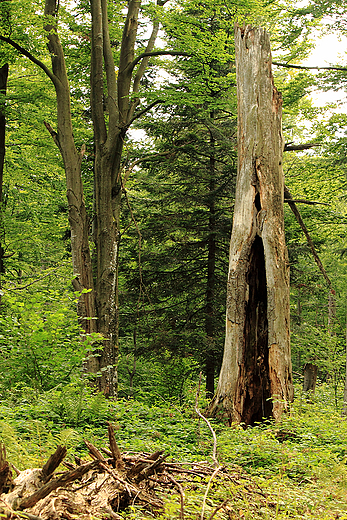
(256,377)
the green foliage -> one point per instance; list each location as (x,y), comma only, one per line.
(298,463)
(39,337)
(167,377)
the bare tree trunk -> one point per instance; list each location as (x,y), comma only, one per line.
(256,377)
(78,219)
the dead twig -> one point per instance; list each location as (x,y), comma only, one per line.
(218,508)
(181,492)
(116,453)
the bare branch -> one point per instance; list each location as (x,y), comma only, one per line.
(133,64)
(216,471)
(304,201)
(290,147)
(181,492)
(32,58)
(295,210)
(20,288)
(218,508)
(302,67)
(143,111)
(214,453)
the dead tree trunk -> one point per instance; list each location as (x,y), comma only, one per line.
(256,377)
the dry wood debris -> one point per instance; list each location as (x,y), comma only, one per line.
(107,485)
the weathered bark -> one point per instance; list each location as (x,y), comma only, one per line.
(101,303)
(256,379)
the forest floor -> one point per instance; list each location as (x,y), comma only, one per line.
(293,469)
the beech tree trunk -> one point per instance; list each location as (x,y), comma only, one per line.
(256,374)
(98,301)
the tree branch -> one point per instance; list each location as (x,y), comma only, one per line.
(111,78)
(20,288)
(304,201)
(133,64)
(303,67)
(295,210)
(290,147)
(32,58)
(142,68)
(143,111)
(53,134)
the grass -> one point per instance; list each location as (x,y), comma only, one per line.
(293,469)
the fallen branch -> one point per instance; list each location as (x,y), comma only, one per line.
(218,508)
(181,492)
(53,462)
(102,491)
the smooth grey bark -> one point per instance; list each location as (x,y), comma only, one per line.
(256,374)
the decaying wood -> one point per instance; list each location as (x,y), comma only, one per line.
(94,452)
(5,470)
(256,379)
(116,453)
(61,481)
(310,377)
(53,462)
(142,463)
(98,490)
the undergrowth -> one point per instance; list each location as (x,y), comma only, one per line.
(299,463)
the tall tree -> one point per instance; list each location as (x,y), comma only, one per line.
(189,180)
(114,100)
(255,379)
